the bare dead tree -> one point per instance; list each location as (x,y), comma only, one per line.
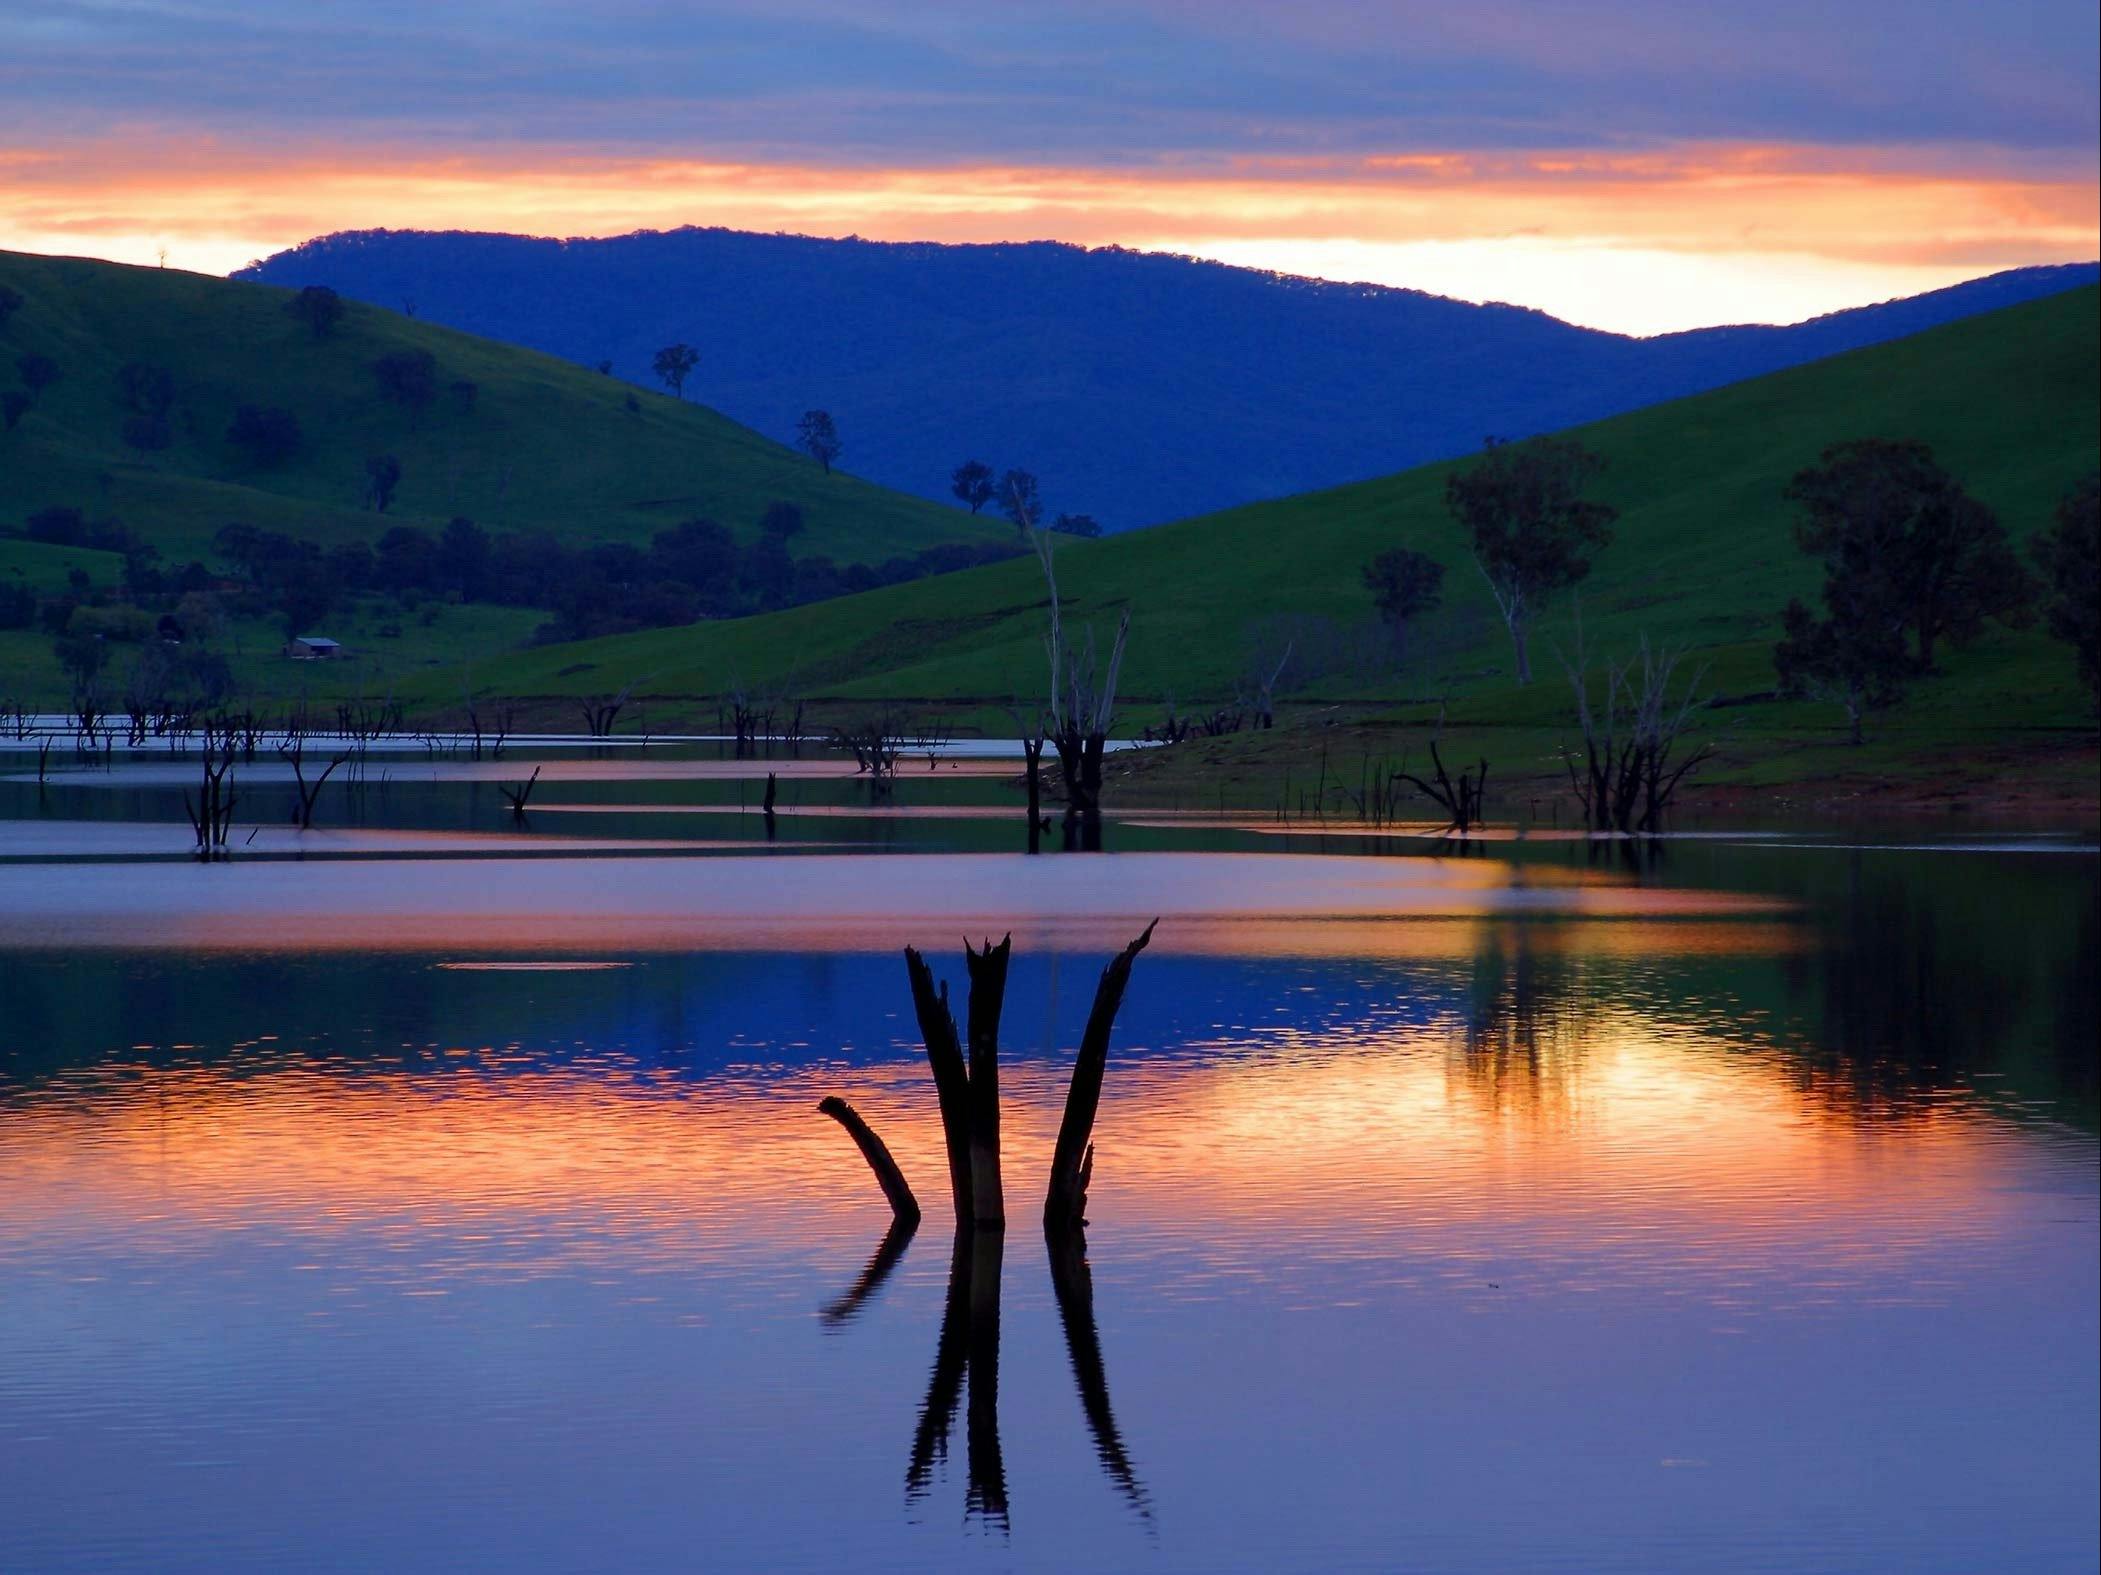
(1460,798)
(1632,735)
(520,795)
(1258,684)
(1082,695)
(1173,727)
(294,750)
(211,816)
(876,743)
(1031,732)
(600,711)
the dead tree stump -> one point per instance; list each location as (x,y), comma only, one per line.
(1072,1162)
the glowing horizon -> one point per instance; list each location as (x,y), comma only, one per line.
(1659,241)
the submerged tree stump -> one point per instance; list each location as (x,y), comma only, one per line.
(944,1053)
(988,994)
(1072,1162)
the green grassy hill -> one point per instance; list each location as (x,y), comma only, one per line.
(536,444)
(1703,555)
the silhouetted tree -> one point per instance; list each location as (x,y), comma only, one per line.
(266,434)
(463,557)
(1077,525)
(1405,584)
(145,389)
(1532,530)
(2069,554)
(38,372)
(146,392)
(781,521)
(817,436)
(1018,498)
(766,571)
(382,477)
(1855,655)
(972,483)
(319,307)
(303,604)
(673,363)
(1938,559)
(408,377)
(10,303)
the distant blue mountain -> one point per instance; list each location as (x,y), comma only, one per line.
(1138,387)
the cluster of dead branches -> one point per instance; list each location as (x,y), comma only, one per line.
(1632,738)
(1460,797)
(876,743)
(211,816)
(293,749)
(600,711)
(1082,702)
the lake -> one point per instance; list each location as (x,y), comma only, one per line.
(436,1190)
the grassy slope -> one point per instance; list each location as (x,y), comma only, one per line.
(1703,555)
(543,445)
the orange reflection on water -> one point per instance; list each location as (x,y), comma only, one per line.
(1606,1147)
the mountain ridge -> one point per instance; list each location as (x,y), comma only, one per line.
(1139,386)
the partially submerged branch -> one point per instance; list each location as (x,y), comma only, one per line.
(877,1153)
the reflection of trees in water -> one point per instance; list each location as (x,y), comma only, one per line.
(1918,985)
(1073,1283)
(966,1356)
(1528,1020)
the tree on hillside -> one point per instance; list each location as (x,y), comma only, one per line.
(303,603)
(817,436)
(781,521)
(408,377)
(265,433)
(1405,585)
(1854,655)
(673,363)
(38,372)
(972,483)
(319,307)
(1077,525)
(1018,498)
(1532,530)
(10,303)
(146,391)
(2069,554)
(699,553)
(463,558)
(1890,522)
(382,477)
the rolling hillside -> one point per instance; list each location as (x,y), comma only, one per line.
(1140,388)
(1703,555)
(513,439)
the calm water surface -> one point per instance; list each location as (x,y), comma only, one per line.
(1526,1209)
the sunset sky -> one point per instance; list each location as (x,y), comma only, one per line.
(1640,165)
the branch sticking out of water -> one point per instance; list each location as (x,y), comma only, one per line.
(877,1153)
